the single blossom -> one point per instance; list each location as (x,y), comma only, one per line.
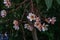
(7,3)
(3,13)
(31,16)
(53,20)
(27,26)
(37,25)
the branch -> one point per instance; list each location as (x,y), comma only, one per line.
(32,6)
(18,6)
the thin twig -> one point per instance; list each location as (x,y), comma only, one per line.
(32,6)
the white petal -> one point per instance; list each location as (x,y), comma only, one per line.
(43,29)
(43,24)
(5,34)
(5,2)
(18,28)
(28,17)
(53,17)
(50,20)
(26,25)
(3,13)
(30,14)
(46,25)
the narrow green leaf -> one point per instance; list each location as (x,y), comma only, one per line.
(58,1)
(48,3)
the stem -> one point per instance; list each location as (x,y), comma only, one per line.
(32,6)
(23,33)
(34,33)
(20,4)
(21,24)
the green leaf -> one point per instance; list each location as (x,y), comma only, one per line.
(58,1)
(48,3)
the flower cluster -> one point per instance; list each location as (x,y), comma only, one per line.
(16,25)
(7,3)
(3,13)
(37,24)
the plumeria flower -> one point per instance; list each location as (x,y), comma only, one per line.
(3,13)
(37,25)
(7,3)
(16,27)
(27,26)
(52,20)
(40,27)
(44,27)
(31,16)
(37,19)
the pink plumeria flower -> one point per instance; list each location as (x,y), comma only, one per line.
(16,25)
(3,13)
(31,16)
(37,25)
(7,3)
(52,20)
(27,26)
